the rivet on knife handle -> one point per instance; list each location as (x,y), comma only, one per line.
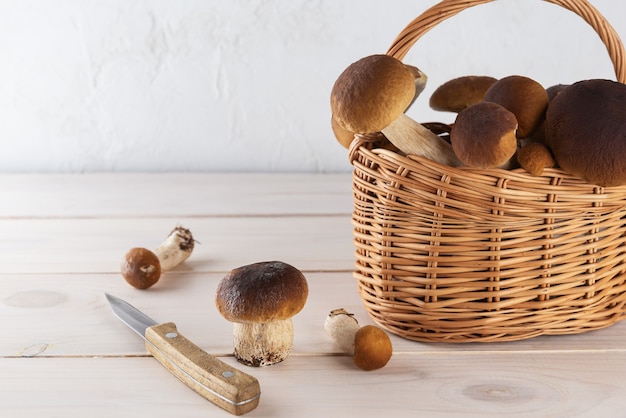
(227,387)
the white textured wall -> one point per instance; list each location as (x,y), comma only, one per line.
(236,85)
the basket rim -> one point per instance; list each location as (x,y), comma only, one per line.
(552,176)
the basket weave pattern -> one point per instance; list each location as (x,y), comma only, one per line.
(460,254)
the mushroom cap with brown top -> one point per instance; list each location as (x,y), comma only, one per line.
(371,93)
(534,157)
(483,135)
(524,97)
(261,292)
(343,136)
(372,348)
(141,267)
(460,93)
(586,131)
(554,90)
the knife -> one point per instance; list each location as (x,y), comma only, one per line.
(225,386)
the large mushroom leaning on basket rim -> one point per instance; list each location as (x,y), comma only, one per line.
(372,94)
(345,137)
(260,299)
(586,131)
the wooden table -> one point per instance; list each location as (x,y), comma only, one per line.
(63,354)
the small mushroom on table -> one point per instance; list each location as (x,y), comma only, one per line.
(369,345)
(372,94)
(260,299)
(142,268)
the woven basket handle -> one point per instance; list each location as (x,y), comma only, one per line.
(448,8)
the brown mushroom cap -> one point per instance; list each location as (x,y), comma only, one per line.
(554,90)
(261,292)
(534,157)
(343,136)
(539,135)
(524,97)
(141,268)
(460,93)
(483,135)
(586,131)
(372,348)
(371,93)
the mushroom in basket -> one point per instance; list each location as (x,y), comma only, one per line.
(483,136)
(345,137)
(260,299)
(460,93)
(522,96)
(586,131)
(372,94)
(534,157)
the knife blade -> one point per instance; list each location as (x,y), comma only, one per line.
(227,387)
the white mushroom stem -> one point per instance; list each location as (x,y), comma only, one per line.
(420,82)
(263,344)
(412,138)
(342,326)
(176,248)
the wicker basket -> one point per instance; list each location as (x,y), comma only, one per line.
(460,254)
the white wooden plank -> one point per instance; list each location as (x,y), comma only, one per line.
(434,385)
(67,315)
(98,245)
(173,194)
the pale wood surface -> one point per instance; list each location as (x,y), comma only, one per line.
(64,354)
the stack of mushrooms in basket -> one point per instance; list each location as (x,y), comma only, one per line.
(506,123)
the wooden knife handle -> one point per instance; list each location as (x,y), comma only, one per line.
(225,386)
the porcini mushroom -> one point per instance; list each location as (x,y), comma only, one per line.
(460,93)
(142,268)
(343,136)
(369,346)
(554,91)
(539,135)
(260,299)
(483,136)
(522,96)
(534,157)
(586,131)
(372,94)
